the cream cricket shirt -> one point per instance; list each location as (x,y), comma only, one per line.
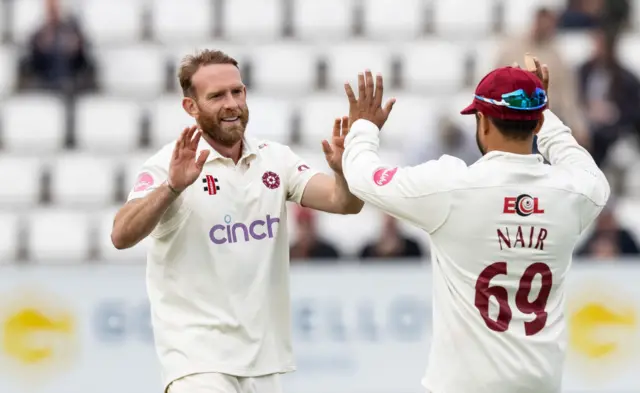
(218,263)
(502,232)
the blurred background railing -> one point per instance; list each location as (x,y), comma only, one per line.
(88,92)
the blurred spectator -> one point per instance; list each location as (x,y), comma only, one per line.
(589,14)
(609,240)
(610,95)
(582,14)
(541,41)
(450,139)
(391,243)
(309,244)
(57,56)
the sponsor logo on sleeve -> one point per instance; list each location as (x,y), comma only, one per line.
(144,182)
(383,176)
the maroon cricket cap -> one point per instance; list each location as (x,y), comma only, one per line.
(502,81)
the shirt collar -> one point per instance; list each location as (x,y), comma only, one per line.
(249,150)
(503,155)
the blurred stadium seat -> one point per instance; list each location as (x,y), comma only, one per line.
(317,115)
(106,251)
(575,47)
(132,70)
(284,68)
(9,236)
(167,119)
(107,124)
(8,69)
(59,236)
(345,61)
(83,181)
(26,17)
(253,20)
(176,21)
(433,65)
(463,18)
(408,21)
(112,22)
(277,113)
(21,177)
(24,131)
(323,20)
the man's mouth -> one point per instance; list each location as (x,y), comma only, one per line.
(230,119)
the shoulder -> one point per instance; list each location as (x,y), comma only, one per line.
(270,149)
(162,157)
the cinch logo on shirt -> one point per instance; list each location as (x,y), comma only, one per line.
(240,232)
(523,205)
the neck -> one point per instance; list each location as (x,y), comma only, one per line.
(514,147)
(234,152)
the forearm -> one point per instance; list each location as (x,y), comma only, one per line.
(558,146)
(343,199)
(137,219)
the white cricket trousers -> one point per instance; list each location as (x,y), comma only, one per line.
(223,383)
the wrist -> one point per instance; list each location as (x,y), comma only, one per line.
(175,191)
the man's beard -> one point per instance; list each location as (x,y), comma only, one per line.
(226,135)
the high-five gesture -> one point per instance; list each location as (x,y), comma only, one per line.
(368,105)
(333,150)
(184,168)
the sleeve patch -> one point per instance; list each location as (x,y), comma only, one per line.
(144,182)
(383,176)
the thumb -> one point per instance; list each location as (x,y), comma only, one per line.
(389,106)
(326,148)
(202,158)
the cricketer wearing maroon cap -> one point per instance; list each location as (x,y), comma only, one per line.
(502,231)
(499,125)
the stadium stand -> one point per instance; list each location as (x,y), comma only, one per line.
(296,55)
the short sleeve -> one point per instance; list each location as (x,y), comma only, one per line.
(149,177)
(298,175)
(152,175)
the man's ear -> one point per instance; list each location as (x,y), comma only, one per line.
(483,123)
(189,106)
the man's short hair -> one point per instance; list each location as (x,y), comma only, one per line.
(518,130)
(191,64)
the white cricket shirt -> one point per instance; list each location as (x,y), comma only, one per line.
(218,263)
(502,232)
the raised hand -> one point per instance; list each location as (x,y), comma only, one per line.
(333,150)
(368,105)
(184,169)
(532,64)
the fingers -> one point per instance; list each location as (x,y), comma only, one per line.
(545,73)
(377,100)
(389,106)
(179,143)
(202,158)
(345,126)
(186,141)
(326,148)
(195,140)
(336,127)
(368,88)
(361,87)
(350,95)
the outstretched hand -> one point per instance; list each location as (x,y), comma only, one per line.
(184,169)
(333,150)
(368,105)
